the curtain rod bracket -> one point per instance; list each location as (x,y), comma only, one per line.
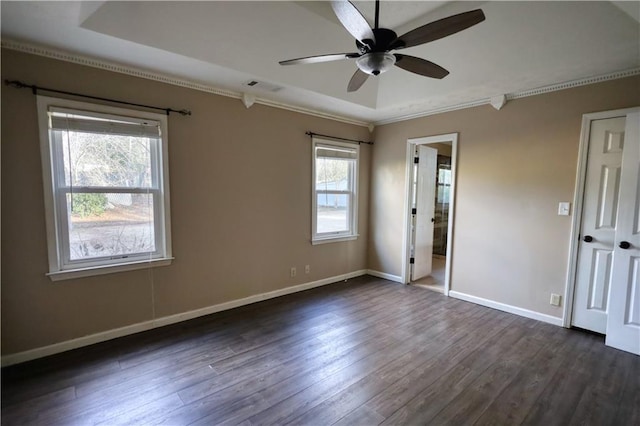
(34,89)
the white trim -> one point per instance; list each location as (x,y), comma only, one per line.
(507,308)
(406,223)
(406,238)
(312,112)
(111,66)
(384,275)
(435,111)
(516,95)
(171,319)
(327,240)
(163,78)
(68,274)
(578,198)
(574,83)
(451,214)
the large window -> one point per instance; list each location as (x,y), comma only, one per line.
(106,188)
(335,186)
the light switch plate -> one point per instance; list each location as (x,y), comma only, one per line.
(564,208)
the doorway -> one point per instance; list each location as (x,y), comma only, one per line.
(430,194)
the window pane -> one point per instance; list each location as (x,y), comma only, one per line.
(335,186)
(333,213)
(444,185)
(332,174)
(92,159)
(103,225)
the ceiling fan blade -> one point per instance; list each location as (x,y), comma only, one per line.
(320,58)
(420,66)
(439,29)
(353,21)
(357,80)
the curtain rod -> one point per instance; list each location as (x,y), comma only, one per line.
(34,89)
(340,139)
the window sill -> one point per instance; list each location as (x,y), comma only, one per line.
(327,240)
(108,269)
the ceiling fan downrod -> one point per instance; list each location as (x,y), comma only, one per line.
(377,14)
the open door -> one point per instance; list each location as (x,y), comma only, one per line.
(623,320)
(418,241)
(600,224)
(425,209)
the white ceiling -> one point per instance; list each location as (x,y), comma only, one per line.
(520,46)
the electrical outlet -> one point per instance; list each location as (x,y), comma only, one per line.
(293,271)
(307,269)
(555,299)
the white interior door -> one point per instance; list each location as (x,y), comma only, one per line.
(599,224)
(623,322)
(425,209)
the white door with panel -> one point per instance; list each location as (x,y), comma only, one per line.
(623,322)
(599,222)
(606,298)
(425,209)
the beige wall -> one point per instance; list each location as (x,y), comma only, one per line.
(514,166)
(240,206)
(240,200)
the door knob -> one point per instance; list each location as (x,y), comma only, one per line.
(587,238)
(624,245)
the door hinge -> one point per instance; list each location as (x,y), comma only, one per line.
(416,160)
(412,260)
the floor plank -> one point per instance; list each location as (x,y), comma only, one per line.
(360,352)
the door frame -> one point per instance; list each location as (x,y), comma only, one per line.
(406,239)
(578,199)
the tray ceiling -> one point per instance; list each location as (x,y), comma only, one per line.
(520,46)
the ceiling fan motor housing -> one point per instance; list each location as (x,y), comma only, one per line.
(374,44)
(375,58)
(375,63)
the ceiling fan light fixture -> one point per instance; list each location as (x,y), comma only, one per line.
(375,63)
(374,44)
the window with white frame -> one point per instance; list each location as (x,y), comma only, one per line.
(335,191)
(106,188)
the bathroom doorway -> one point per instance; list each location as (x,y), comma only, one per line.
(430,194)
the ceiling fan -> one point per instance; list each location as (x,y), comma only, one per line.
(375,44)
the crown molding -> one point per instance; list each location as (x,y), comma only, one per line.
(435,111)
(574,83)
(163,78)
(516,95)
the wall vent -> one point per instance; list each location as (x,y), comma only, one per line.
(261,85)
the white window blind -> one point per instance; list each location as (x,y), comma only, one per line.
(323,151)
(71,121)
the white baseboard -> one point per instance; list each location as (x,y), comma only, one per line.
(160,322)
(384,275)
(507,308)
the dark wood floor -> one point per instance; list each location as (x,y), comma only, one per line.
(361,352)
